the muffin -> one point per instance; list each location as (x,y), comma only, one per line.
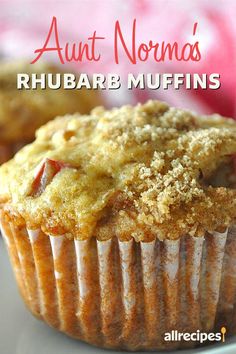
(121,225)
(24,111)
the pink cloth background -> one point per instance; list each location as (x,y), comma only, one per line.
(24,25)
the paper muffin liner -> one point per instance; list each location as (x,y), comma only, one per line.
(7,151)
(127,295)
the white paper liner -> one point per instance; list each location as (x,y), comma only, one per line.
(126,295)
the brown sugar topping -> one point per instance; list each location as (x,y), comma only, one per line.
(139,172)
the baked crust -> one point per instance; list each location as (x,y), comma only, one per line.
(136,172)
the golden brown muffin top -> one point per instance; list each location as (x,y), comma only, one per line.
(139,172)
(23,111)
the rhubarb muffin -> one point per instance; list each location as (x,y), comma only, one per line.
(23,111)
(120,225)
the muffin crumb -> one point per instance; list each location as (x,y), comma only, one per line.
(142,169)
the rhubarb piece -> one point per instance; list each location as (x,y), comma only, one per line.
(45,173)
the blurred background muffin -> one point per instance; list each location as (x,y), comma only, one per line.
(23,111)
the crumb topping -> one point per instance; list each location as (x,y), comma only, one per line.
(137,172)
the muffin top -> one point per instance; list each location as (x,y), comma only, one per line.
(143,172)
(23,111)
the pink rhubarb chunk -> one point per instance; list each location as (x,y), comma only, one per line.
(46,171)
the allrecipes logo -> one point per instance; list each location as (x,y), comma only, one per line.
(201,337)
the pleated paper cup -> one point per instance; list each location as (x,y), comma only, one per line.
(126,295)
(7,151)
